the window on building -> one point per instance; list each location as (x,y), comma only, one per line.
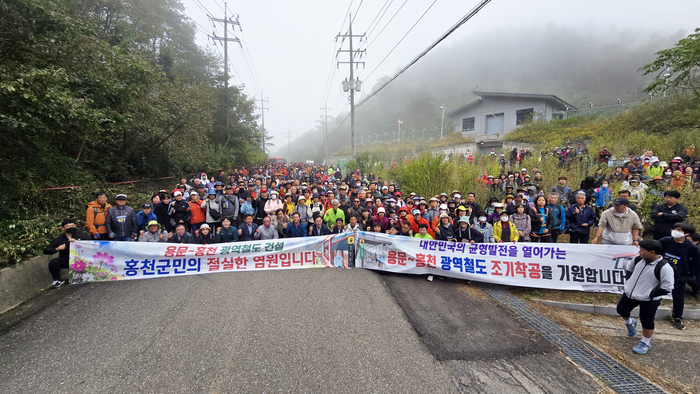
(468,124)
(522,115)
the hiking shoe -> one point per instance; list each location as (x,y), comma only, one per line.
(632,327)
(641,348)
(56,284)
(678,323)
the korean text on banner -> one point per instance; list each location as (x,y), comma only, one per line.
(541,265)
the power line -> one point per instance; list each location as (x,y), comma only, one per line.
(217,3)
(200,5)
(451,30)
(250,59)
(387,24)
(357,10)
(401,40)
(379,13)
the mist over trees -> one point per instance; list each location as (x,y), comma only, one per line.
(595,65)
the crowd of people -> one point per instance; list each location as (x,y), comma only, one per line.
(300,200)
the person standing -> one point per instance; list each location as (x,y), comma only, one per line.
(179,210)
(666,215)
(121,221)
(649,276)
(212,208)
(229,204)
(61,245)
(96,216)
(681,253)
(618,225)
(505,230)
(581,217)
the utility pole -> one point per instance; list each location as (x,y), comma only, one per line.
(226,21)
(262,112)
(352,85)
(289,141)
(325,128)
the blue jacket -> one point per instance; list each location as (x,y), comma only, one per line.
(558,217)
(296,232)
(603,197)
(142,220)
(585,215)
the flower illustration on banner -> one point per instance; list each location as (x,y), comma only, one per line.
(101,268)
(103,258)
(78,266)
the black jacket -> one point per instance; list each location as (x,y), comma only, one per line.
(179,210)
(468,234)
(63,240)
(663,224)
(315,232)
(186,238)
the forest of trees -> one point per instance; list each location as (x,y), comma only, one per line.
(595,65)
(112,89)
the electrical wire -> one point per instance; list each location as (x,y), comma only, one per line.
(347,13)
(387,24)
(200,5)
(451,30)
(371,25)
(250,59)
(401,40)
(222,8)
(356,11)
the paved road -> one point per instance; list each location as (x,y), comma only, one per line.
(314,330)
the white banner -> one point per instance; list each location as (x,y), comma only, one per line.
(548,266)
(560,266)
(94,261)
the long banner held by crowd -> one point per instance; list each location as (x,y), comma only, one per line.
(93,261)
(548,266)
(542,265)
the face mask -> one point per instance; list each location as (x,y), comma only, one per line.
(504,218)
(605,186)
(493,204)
(677,234)
(482,218)
(668,173)
(71,230)
(274,196)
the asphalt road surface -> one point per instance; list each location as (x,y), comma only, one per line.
(312,330)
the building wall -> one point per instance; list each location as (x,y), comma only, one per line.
(506,105)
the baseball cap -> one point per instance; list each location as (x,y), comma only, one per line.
(177,193)
(146,205)
(121,197)
(621,201)
(212,191)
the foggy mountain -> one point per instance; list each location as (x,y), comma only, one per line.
(578,66)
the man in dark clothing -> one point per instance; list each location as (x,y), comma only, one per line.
(355,210)
(472,203)
(121,221)
(319,228)
(681,253)
(604,155)
(179,211)
(666,215)
(181,236)
(61,244)
(260,201)
(247,229)
(161,210)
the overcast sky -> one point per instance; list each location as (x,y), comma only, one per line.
(292,50)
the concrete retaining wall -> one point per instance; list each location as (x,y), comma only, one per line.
(23,281)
